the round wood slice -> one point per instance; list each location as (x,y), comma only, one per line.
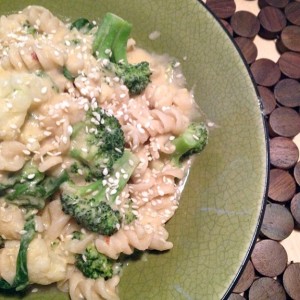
(278,222)
(289,64)
(272,19)
(295,208)
(292,12)
(284,153)
(227,26)
(291,280)
(223,9)
(266,288)
(267,99)
(246,279)
(236,297)
(277,3)
(265,72)
(285,122)
(297,173)
(287,92)
(245,24)
(248,49)
(290,37)
(282,186)
(269,258)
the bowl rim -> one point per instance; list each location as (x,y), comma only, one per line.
(267,158)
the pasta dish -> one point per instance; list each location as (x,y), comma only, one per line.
(95,138)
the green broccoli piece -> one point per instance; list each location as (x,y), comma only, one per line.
(193,140)
(21,280)
(77,235)
(29,28)
(94,264)
(68,74)
(91,204)
(83,25)
(29,187)
(2,242)
(129,216)
(111,43)
(96,143)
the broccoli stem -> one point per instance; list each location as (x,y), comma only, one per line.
(112,27)
(97,189)
(193,140)
(119,47)
(111,43)
(91,205)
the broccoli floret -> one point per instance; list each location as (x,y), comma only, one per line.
(193,140)
(30,188)
(91,205)
(111,43)
(94,264)
(2,242)
(96,143)
(135,76)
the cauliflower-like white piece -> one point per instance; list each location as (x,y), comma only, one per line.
(8,261)
(11,221)
(45,265)
(18,92)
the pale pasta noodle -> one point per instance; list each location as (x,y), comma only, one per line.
(51,83)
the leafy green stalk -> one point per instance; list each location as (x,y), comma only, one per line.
(21,280)
(31,188)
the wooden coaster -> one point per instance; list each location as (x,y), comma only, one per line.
(278,222)
(269,258)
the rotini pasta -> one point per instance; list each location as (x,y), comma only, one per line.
(54,91)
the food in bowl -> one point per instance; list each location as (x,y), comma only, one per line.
(96,138)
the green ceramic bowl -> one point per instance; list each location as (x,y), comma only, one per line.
(221,207)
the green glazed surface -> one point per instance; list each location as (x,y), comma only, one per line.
(221,206)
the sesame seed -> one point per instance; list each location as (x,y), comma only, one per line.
(31,140)
(196,137)
(26,152)
(44,90)
(70,129)
(65,139)
(31,176)
(47,133)
(9,105)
